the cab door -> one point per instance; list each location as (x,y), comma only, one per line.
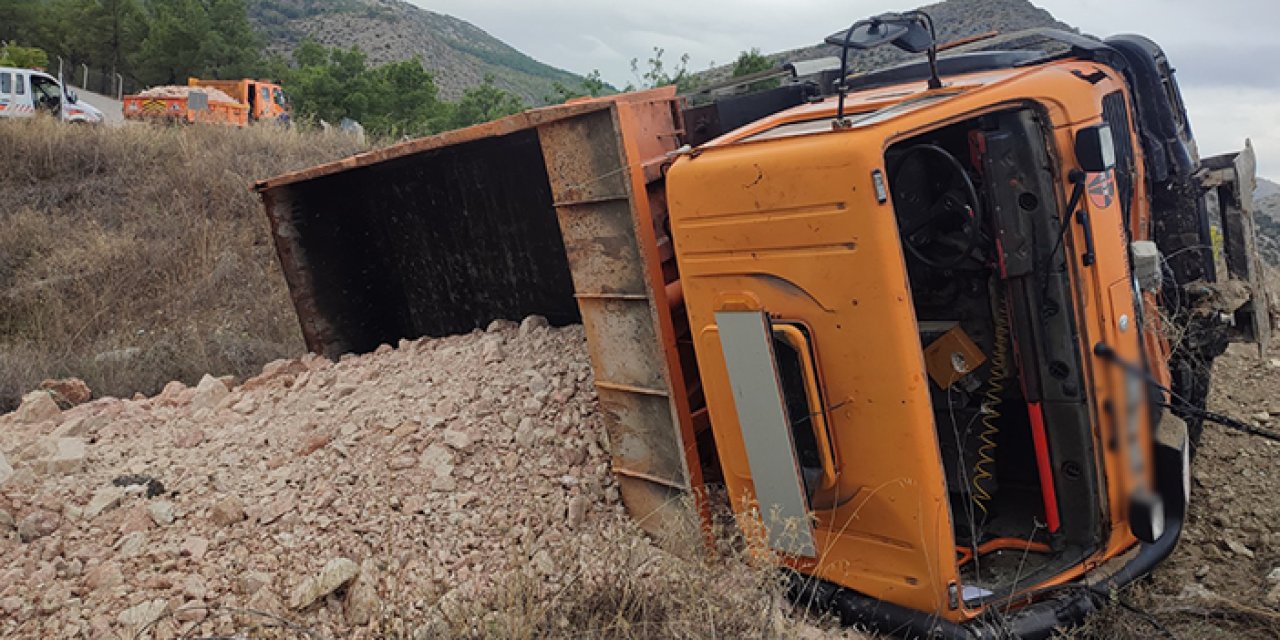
(6,92)
(45,94)
(814,374)
(19,99)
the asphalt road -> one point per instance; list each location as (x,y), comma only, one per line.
(112,109)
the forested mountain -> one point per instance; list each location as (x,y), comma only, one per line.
(458,54)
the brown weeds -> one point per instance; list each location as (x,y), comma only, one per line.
(629,586)
(136,255)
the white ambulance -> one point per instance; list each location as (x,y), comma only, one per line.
(26,92)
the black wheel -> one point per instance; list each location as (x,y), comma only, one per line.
(1191,384)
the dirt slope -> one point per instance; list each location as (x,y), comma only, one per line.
(1223,580)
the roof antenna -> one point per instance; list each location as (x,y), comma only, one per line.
(911,31)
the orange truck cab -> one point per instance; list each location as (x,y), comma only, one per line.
(266,101)
(950,290)
(914,322)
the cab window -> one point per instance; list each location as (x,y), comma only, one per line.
(22,84)
(6,82)
(46,91)
(797,375)
(791,366)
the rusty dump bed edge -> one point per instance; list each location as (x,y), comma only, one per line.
(529,119)
(545,212)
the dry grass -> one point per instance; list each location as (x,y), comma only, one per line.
(133,256)
(625,585)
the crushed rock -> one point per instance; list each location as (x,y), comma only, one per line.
(335,574)
(180,91)
(330,493)
(68,392)
(37,407)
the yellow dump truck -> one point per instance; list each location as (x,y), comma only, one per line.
(916,322)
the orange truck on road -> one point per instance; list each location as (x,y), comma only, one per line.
(233,102)
(266,101)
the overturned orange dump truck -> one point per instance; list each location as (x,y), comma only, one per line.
(916,322)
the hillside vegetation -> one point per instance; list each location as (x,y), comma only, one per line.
(398,70)
(137,255)
(458,54)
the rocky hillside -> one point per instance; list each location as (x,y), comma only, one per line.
(1267,216)
(953,19)
(456,52)
(1266,189)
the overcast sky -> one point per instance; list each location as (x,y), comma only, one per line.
(1226,53)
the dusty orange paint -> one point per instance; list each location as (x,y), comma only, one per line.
(260,108)
(791,224)
(176,110)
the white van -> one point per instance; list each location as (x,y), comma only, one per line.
(26,92)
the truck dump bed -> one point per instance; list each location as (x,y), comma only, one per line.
(237,89)
(545,212)
(184,104)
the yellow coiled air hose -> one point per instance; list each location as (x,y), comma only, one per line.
(983,472)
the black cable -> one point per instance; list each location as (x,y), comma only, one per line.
(1105,352)
(1146,616)
(1096,595)
(1077,178)
(1227,421)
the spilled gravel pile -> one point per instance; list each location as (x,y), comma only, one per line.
(336,495)
(177,91)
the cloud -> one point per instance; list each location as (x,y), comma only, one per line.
(1227,58)
(1222,117)
(1243,65)
(557,31)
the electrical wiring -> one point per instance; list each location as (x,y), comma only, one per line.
(983,472)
